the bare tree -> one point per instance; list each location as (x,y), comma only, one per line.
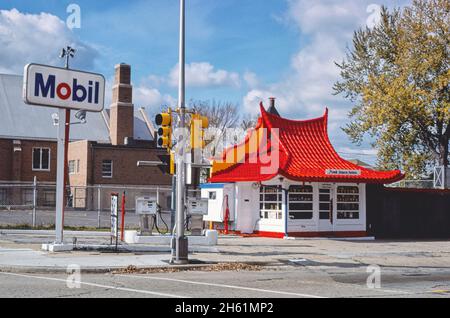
(248,121)
(222,115)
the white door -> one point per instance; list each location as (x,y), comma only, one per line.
(246,219)
(325,209)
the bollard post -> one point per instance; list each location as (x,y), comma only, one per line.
(158,206)
(34,200)
(122,225)
(99,202)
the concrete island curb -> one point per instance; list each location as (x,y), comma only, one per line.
(130,268)
(127,248)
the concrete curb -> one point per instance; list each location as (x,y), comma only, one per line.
(91,270)
(111,269)
(64,248)
(143,249)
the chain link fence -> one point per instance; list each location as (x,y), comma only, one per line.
(33,204)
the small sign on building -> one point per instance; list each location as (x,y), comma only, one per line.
(338,172)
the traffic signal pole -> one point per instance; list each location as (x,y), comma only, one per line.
(181,244)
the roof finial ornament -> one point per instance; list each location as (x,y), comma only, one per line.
(272,109)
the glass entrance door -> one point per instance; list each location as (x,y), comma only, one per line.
(326,209)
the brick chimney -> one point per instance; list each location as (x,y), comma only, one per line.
(121,120)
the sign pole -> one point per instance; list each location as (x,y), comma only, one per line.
(66,137)
(50,86)
(59,220)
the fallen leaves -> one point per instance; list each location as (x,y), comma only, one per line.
(220,267)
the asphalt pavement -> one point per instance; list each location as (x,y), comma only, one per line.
(288,282)
(285,268)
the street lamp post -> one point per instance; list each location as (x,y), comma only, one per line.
(181,244)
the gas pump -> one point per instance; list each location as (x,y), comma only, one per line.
(196,209)
(146,208)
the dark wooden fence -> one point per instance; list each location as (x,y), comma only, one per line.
(408,213)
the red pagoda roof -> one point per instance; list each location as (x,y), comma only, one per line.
(305,154)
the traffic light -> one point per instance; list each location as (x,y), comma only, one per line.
(198,125)
(172,169)
(167,165)
(165,131)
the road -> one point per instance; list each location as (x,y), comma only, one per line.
(290,268)
(280,282)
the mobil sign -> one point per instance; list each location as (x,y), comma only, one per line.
(59,87)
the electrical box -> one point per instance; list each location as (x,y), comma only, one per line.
(146,206)
(197,206)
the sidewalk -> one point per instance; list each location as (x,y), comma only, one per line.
(20,251)
(29,260)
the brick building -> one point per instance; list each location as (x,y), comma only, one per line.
(115,163)
(105,151)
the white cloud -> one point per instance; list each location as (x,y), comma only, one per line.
(253,98)
(326,28)
(204,74)
(144,95)
(26,38)
(151,98)
(251,79)
(362,152)
(367,155)
(108,91)
(327,15)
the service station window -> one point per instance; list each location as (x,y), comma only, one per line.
(271,203)
(347,203)
(107,169)
(72,167)
(301,202)
(212,195)
(41,159)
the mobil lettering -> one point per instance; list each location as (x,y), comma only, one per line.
(48,86)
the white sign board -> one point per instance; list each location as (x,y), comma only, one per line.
(146,206)
(337,172)
(59,87)
(197,206)
(114,215)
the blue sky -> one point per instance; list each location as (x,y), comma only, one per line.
(241,51)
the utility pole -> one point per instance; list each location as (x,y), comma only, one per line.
(181,244)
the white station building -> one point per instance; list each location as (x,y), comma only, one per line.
(286,179)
